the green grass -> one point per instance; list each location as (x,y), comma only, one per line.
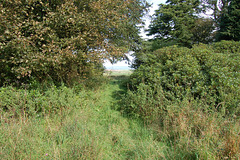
(89,129)
(79,123)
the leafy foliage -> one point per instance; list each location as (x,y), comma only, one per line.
(191,98)
(203,31)
(34,102)
(178,21)
(64,40)
(208,73)
(229,22)
(183,22)
(217,7)
(86,127)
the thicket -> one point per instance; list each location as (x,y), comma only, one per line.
(85,127)
(41,99)
(191,97)
(35,102)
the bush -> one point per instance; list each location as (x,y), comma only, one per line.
(191,98)
(146,102)
(199,72)
(17,102)
(227,47)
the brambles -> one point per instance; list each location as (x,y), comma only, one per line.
(34,102)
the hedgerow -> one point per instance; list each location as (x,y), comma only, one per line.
(191,97)
(202,72)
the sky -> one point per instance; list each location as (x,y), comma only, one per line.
(154,6)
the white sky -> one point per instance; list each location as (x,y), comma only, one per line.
(143,35)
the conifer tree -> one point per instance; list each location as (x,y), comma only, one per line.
(178,21)
(229,24)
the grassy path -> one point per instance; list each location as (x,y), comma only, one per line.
(123,138)
(94,130)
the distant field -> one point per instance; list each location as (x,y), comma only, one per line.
(109,72)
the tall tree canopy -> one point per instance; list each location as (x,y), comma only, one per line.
(179,21)
(61,39)
(216,7)
(175,20)
(229,24)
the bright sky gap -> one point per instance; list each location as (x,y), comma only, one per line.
(123,65)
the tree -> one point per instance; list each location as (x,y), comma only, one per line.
(64,39)
(216,6)
(178,20)
(229,24)
(203,31)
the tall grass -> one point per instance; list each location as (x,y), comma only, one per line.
(190,128)
(80,124)
(194,133)
(84,124)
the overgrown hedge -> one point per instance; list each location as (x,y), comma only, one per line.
(207,72)
(191,97)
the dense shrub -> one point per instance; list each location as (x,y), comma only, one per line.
(200,72)
(191,97)
(34,102)
(227,47)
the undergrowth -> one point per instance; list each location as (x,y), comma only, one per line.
(190,97)
(178,104)
(74,123)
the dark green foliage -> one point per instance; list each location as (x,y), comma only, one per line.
(203,31)
(229,23)
(148,47)
(178,21)
(208,73)
(191,97)
(160,43)
(216,6)
(140,53)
